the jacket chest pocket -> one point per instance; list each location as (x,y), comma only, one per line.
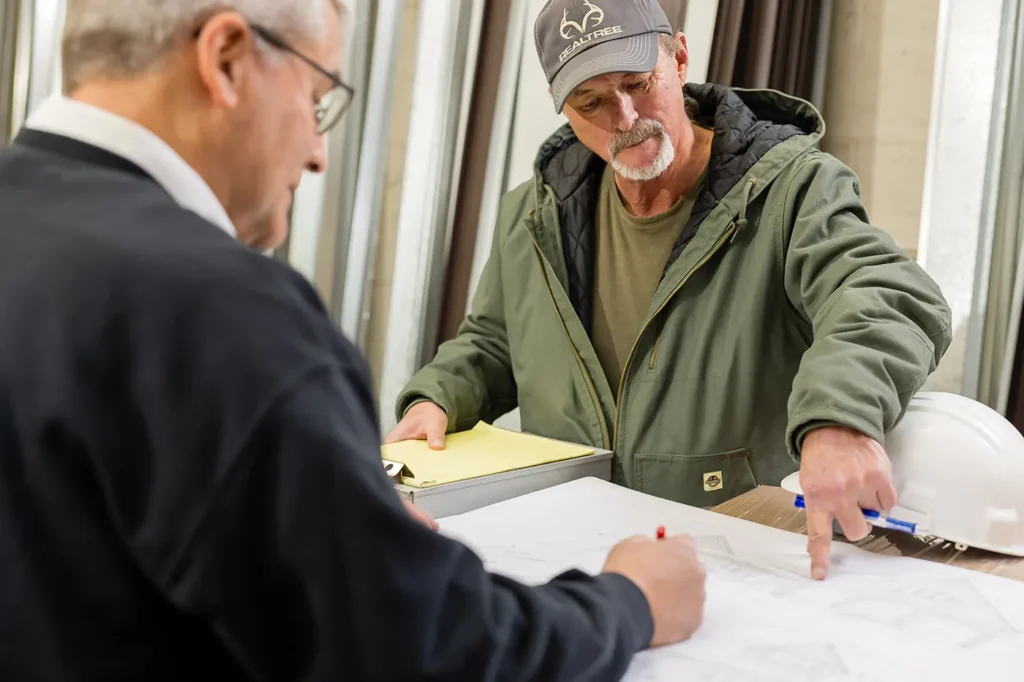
(698,481)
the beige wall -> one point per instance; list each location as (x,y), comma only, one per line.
(878,103)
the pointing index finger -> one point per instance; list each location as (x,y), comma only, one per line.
(819,541)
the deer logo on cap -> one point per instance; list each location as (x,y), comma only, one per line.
(594,17)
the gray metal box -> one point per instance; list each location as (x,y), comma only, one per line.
(462,496)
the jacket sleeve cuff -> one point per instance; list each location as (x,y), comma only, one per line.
(801,426)
(408,400)
(797,440)
(634,607)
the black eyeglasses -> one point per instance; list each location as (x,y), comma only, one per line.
(332,106)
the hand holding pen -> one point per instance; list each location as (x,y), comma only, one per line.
(874,518)
(670,575)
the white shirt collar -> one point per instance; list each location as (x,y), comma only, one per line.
(83,122)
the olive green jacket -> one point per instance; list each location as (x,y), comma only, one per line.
(781,308)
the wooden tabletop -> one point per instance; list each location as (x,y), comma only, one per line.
(772,506)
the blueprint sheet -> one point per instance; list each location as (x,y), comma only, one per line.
(874,619)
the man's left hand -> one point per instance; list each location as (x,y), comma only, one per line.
(842,471)
(420,515)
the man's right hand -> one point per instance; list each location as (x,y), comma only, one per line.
(423,421)
(671,576)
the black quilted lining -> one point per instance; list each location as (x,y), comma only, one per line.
(574,174)
(742,136)
(741,139)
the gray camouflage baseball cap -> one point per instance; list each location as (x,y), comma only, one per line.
(579,39)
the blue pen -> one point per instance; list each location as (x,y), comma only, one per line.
(874,518)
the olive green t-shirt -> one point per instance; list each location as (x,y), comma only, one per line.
(629,261)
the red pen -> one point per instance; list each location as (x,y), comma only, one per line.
(661,532)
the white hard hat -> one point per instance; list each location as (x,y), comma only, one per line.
(958,469)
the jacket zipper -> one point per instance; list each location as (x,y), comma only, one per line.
(629,358)
(605,434)
(654,351)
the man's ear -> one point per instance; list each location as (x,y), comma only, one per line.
(222,46)
(682,58)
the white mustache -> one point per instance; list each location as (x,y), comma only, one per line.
(642,130)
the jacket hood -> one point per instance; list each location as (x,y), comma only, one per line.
(747,124)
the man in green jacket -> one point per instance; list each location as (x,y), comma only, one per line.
(689,281)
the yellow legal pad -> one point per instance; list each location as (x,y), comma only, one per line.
(482,451)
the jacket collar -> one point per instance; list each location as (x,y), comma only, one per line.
(748,125)
(136,145)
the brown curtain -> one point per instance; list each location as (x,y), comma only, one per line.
(777,44)
(474,169)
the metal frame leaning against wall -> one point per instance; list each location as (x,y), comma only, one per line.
(501,137)
(991,338)
(45,71)
(321,219)
(956,220)
(445,62)
(352,305)
(32,62)
(343,161)
(9,20)
(1001,261)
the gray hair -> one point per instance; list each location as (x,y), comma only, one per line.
(123,38)
(671,45)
